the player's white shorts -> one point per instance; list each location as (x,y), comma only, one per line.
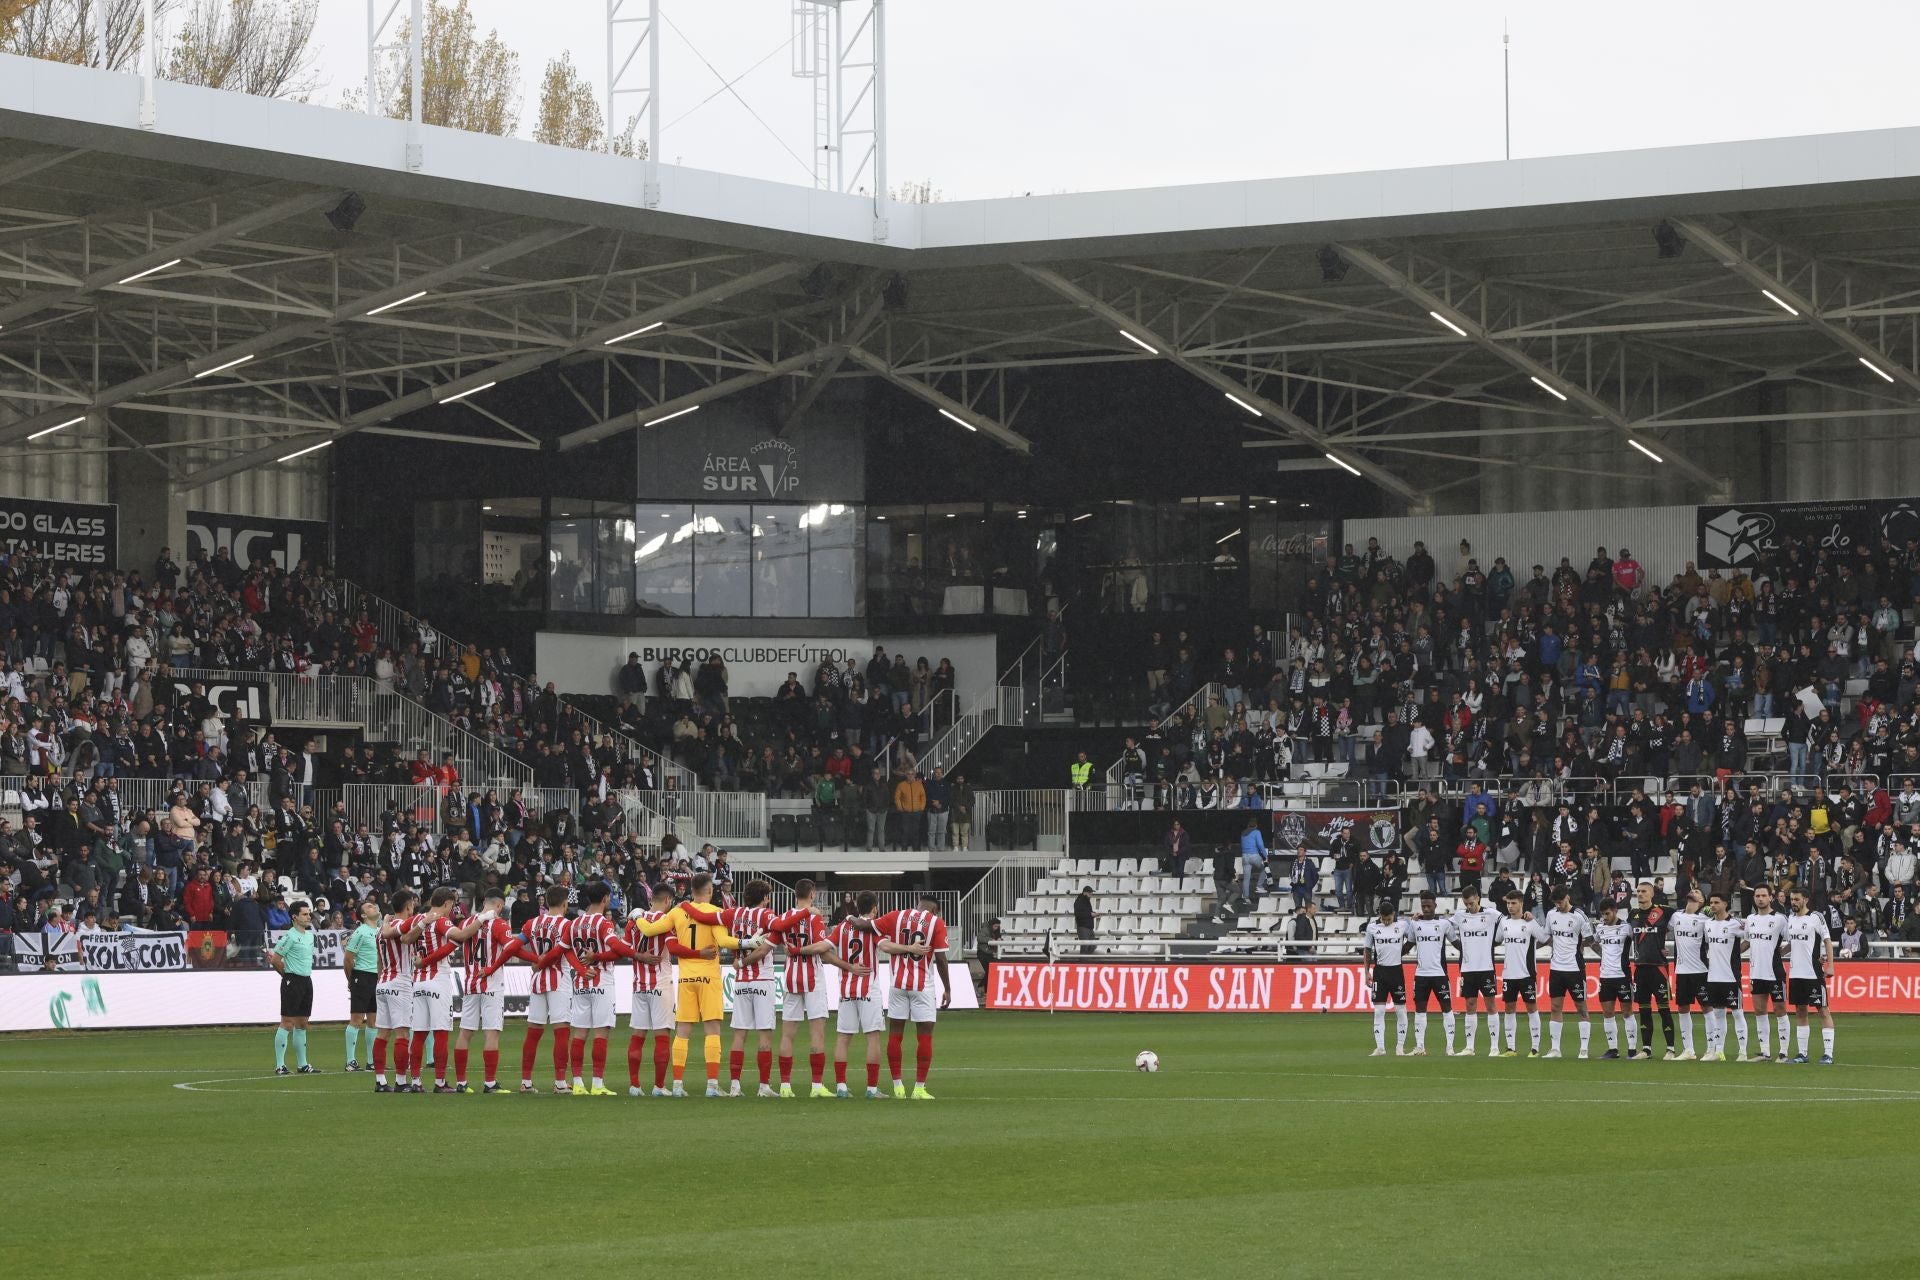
(592,1008)
(549,1008)
(803,1006)
(911,1006)
(433,1005)
(652,1011)
(860,1014)
(483,1010)
(393,1004)
(753,1006)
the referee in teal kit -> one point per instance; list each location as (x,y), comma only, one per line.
(293,957)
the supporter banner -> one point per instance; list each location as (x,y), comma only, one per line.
(239,997)
(1730,537)
(236,695)
(250,538)
(141,951)
(34,950)
(1315,830)
(1857,987)
(329,946)
(84,532)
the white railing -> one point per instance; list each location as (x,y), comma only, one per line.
(1020,697)
(386,715)
(397,628)
(719,816)
(1048,807)
(994,894)
(367,802)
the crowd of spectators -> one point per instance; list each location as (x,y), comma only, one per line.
(1545,726)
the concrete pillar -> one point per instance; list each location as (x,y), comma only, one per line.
(153,510)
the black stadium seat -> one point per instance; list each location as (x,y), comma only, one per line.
(782,831)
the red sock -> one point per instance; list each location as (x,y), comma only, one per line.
(400,1047)
(873,1075)
(460,1065)
(893,1054)
(579,1053)
(786,1069)
(439,1057)
(839,1072)
(490,1058)
(816,1063)
(599,1058)
(736,1060)
(418,1056)
(764,1060)
(380,1056)
(926,1058)
(562,1044)
(636,1054)
(530,1050)
(662,1058)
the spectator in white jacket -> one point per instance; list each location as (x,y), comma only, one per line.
(1419,748)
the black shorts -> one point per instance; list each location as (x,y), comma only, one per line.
(1689,989)
(360,985)
(1561,984)
(1512,989)
(1807,993)
(1425,988)
(296,996)
(1619,990)
(1650,984)
(1722,995)
(1477,984)
(1390,984)
(1774,989)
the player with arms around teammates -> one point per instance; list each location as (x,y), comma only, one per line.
(1766,930)
(1809,959)
(1387,942)
(1569,932)
(1431,933)
(1475,925)
(1614,937)
(1519,936)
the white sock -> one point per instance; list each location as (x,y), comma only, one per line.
(1826,1040)
(1493,1031)
(1400,1029)
(1446,1025)
(381,1078)
(1586,1034)
(599,1082)
(1686,1031)
(1380,1029)
(1800,1038)
(1556,1034)
(1420,1032)
(1764,1025)
(1513,1032)
(1633,1031)
(1533,1029)
(1740,1029)
(578,1083)
(526,1084)
(1786,1031)
(1473,1022)
(1612,1024)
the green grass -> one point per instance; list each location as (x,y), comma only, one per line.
(1265,1146)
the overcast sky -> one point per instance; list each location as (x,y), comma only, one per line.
(999,97)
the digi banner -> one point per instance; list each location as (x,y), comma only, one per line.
(1315,830)
(1740,536)
(1856,987)
(249,538)
(236,694)
(85,533)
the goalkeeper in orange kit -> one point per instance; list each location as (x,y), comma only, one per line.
(696,938)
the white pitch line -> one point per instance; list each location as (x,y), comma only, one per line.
(1363,1075)
(1440,1101)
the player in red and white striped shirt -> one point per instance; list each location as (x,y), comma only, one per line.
(910,1001)
(435,937)
(482,1000)
(804,934)
(393,997)
(650,1014)
(860,1012)
(752,986)
(595,946)
(544,940)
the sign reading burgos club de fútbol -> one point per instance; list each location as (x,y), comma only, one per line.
(76,532)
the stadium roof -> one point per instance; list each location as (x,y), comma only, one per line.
(1393,322)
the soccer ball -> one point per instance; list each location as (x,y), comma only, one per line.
(1146,1060)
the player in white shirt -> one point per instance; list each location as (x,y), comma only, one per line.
(1431,933)
(1614,937)
(1568,932)
(1386,951)
(1809,956)
(1724,939)
(1518,935)
(1474,926)
(1765,929)
(1689,930)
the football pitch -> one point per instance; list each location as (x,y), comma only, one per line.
(1264,1145)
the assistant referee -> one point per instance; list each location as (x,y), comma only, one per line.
(363,965)
(293,957)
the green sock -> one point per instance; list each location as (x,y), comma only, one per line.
(300,1045)
(353,1041)
(279,1048)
